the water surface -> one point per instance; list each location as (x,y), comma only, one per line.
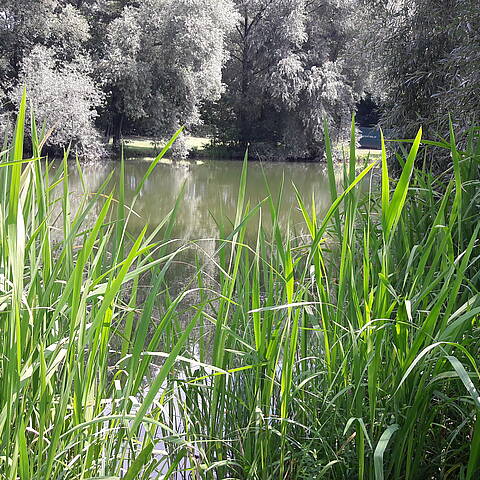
(210,192)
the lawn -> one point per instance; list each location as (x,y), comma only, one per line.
(148,147)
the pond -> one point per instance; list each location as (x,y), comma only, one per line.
(210,192)
(210,198)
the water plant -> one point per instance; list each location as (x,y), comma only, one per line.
(347,350)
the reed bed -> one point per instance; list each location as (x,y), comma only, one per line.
(348,352)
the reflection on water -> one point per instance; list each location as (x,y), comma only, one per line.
(211,190)
(210,197)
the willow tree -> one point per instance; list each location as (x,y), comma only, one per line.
(23,24)
(44,48)
(63,95)
(163,59)
(427,54)
(291,68)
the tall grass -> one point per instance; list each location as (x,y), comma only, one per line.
(348,352)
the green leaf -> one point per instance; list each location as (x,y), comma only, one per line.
(380,450)
(399,196)
(137,465)
(465,378)
(385,183)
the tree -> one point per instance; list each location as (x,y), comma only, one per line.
(63,96)
(44,48)
(23,24)
(291,69)
(163,58)
(427,57)
(27,23)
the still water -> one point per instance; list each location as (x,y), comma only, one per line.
(210,198)
(210,192)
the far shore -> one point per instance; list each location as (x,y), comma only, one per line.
(201,148)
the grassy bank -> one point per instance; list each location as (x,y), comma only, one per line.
(201,147)
(348,354)
(148,147)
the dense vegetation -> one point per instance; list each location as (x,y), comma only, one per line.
(280,364)
(137,67)
(292,65)
(266,72)
(429,53)
(345,347)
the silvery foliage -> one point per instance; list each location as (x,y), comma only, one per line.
(291,68)
(44,49)
(62,96)
(6,129)
(427,62)
(164,58)
(6,126)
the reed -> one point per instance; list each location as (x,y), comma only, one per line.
(349,351)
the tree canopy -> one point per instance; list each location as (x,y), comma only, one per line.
(144,66)
(290,69)
(44,48)
(425,62)
(265,72)
(162,59)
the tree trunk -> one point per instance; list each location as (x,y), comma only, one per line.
(117,130)
(244,127)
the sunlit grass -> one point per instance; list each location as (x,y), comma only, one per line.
(348,353)
(146,147)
